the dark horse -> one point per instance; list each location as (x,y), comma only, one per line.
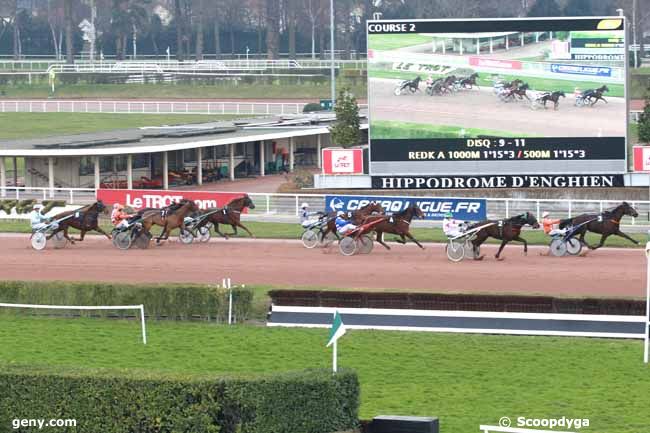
(594,95)
(84,219)
(506,230)
(229,215)
(553,97)
(169,218)
(398,224)
(469,82)
(412,85)
(607,224)
(355,217)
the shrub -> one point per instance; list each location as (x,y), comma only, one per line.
(312,401)
(171,301)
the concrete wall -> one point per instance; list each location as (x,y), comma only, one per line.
(66,172)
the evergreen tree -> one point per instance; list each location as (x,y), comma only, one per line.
(345,131)
(545,8)
(644,120)
(578,8)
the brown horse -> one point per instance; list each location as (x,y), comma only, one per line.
(355,217)
(84,219)
(169,218)
(398,224)
(606,224)
(229,215)
(506,230)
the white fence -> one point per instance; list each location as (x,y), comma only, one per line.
(286,207)
(154,107)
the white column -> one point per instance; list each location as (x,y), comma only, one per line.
(435,45)
(318,151)
(536,37)
(460,46)
(550,35)
(444,46)
(165,172)
(199,166)
(491,46)
(50,174)
(231,160)
(292,149)
(129,171)
(478,46)
(521,35)
(262,159)
(3,177)
(97,179)
(507,43)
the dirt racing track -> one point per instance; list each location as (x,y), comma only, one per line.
(606,272)
(482,109)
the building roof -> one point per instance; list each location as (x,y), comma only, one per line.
(170,138)
(470,35)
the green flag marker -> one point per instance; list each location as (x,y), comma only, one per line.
(337,330)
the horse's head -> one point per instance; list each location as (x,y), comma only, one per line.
(561,93)
(531,220)
(371,208)
(417,211)
(101,207)
(248,202)
(628,210)
(604,88)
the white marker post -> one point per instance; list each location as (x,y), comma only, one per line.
(229,302)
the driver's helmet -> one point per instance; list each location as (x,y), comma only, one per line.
(304,205)
(38,207)
(546,215)
(117,206)
(340,213)
(449,215)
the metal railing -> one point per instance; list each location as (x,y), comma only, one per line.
(286,207)
(153,107)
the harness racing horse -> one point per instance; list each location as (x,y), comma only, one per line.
(412,85)
(398,224)
(85,219)
(469,82)
(357,217)
(606,224)
(594,95)
(554,97)
(169,218)
(506,230)
(230,215)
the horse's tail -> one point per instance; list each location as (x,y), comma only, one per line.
(566,222)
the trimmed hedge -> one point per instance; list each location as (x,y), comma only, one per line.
(161,301)
(313,401)
(457,302)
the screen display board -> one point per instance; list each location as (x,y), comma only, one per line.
(487,97)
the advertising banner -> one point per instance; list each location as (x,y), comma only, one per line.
(641,158)
(342,161)
(596,71)
(468,209)
(144,198)
(498,181)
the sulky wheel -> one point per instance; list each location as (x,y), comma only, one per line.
(364,244)
(59,240)
(38,240)
(122,240)
(558,247)
(573,246)
(347,246)
(455,251)
(186,237)
(204,234)
(309,239)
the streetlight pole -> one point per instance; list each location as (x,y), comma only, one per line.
(634,32)
(332,72)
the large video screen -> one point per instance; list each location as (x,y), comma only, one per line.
(516,98)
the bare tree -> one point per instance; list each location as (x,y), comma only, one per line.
(55,22)
(69,48)
(199,29)
(272,29)
(314,9)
